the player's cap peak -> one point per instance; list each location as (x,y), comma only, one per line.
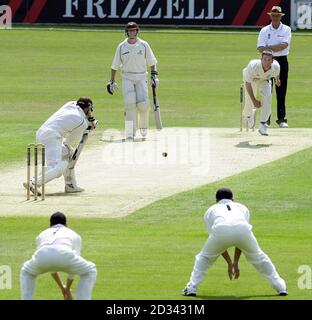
(276,10)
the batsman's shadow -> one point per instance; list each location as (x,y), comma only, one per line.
(246,144)
(64,194)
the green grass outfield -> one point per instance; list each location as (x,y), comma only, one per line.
(150,254)
(199,77)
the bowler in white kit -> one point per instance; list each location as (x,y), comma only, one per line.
(257,79)
(132,56)
(228,226)
(58,249)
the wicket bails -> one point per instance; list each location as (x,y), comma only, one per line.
(35,146)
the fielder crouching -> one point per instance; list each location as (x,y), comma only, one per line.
(63,128)
(58,249)
(228,226)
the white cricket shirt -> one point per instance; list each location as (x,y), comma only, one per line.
(270,36)
(132,58)
(68,120)
(226,212)
(255,72)
(59,235)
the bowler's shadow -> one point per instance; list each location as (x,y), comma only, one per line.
(246,144)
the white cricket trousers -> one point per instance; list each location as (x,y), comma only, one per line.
(55,165)
(55,258)
(265,91)
(136,103)
(224,236)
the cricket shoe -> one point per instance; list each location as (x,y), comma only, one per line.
(189,291)
(283,293)
(70,188)
(129,139)
(32,188)
(251,120)
(283,125)
(263,130)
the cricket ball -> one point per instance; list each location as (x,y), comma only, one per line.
(164,154)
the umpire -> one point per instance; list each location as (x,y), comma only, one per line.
(276,37)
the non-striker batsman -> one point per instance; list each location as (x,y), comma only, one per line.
(132,56)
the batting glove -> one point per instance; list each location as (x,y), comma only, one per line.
(92,123)
(154,78)
(111,87)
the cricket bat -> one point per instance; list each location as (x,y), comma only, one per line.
(80,146)
(156,107)
(78,150)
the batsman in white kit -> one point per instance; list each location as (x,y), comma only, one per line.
(58,249)
(132,56)
(228,226)
(71,123)
(257,77)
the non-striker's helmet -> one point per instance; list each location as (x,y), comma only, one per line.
(132,26)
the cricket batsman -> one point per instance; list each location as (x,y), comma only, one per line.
(132,56)
(58,133)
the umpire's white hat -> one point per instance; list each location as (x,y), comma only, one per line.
(276,10)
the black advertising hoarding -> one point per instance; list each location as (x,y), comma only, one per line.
(147,12)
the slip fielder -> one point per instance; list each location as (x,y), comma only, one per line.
(228,226)
(58,249)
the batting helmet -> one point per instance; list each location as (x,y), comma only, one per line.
(85,102)
(132,26)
